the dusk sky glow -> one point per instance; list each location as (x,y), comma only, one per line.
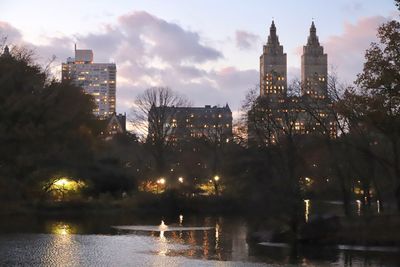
(207,50)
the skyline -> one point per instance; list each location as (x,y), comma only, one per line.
(212,61)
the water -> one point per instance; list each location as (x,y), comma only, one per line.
(187,241)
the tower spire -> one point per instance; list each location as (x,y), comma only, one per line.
(313,38)
(6,52)
(272,38)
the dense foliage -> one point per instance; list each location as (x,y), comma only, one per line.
(47,130)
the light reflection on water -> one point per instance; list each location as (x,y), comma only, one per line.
(62,228)
(180,220)
(307,209)
(61,249)
(163,248)
(91,241)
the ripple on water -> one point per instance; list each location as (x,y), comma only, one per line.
(95,250)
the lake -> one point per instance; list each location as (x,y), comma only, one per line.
(93,241)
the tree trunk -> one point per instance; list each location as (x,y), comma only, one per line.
(342,178)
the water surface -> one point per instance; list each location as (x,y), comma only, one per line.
(190,241)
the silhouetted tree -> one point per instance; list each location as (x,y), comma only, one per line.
(44,125)
(381,81)
(152,115)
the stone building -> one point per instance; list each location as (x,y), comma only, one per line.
(115,124)
(185,123)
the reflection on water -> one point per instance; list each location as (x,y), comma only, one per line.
(180,220)
(307,209)
(62,228)
(92,241)
(61,249)
(163,248)
(216,235)
(358,207)
(162,237)
(378,206)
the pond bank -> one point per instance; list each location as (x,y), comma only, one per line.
(373,230)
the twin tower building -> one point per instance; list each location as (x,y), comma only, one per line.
(273,67)
(308,110)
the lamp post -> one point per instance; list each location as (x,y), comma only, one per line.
(216,179)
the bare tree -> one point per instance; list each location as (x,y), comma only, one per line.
(152,117)
(332,123)
(273,124)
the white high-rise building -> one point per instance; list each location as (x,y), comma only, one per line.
(97,79)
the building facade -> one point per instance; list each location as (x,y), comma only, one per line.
(185,123)
(113,125)
(304,111)
(96,79)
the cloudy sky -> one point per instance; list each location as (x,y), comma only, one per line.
(208,50)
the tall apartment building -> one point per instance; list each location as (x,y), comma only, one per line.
(97,79)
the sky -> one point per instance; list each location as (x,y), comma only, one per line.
(207,50)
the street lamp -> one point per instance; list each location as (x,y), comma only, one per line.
(216,179)
(180,179)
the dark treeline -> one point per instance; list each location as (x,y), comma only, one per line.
(47,131)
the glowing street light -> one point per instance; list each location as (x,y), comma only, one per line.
(62,182)
(160,181)
(216,179)
(180,179)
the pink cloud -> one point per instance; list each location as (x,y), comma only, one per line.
(346,51)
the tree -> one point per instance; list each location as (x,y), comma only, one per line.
(380,81)
(152,117)
(273,127)
(44,125)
